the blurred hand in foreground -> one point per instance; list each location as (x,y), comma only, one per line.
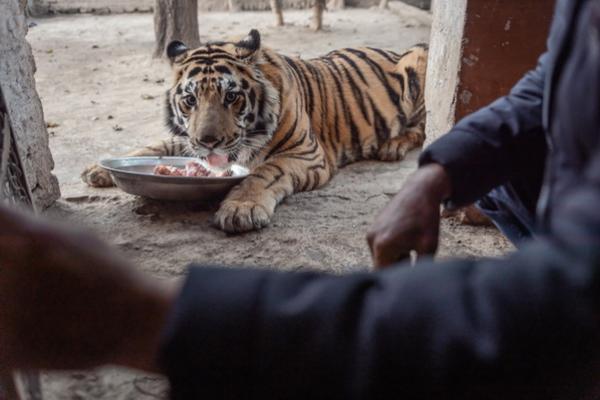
(411,220)
(68,301)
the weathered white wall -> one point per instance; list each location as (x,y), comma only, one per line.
(25,109)
(119,6)
(445,50)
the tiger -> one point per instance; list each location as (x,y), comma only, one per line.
(293,123)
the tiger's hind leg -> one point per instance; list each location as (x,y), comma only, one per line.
(412,68)
(395,149)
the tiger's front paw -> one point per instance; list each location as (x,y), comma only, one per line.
(96,176)
(242,216)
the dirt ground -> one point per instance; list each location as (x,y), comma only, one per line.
(103,96)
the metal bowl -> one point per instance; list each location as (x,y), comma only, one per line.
(135,175)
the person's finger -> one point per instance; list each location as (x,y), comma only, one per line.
(385,260)
(427,245)
(370,239)
(386,253)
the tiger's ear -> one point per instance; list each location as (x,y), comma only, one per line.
(248,46)
(175,49)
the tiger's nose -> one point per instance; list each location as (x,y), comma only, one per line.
(209,140)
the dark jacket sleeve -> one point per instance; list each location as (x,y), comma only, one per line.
(575,217)
(500,141)
(524,327)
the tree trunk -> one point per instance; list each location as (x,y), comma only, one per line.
(36,8)
(318,9)
(23,105)
(175,20)
(233,6)
(276,8)
(336,5)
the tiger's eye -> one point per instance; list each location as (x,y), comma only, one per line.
(190,100)
(230,97)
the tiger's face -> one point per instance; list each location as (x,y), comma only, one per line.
(221,102)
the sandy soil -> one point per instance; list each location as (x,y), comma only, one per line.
(103,96)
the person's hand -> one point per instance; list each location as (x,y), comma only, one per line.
(68,301)
(411,219)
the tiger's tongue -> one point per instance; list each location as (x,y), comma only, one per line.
(217,160)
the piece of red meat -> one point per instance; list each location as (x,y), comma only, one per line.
(191,169)
(226,173)
(168,170)
(194,168)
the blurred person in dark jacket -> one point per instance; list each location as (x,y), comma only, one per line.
(525,326)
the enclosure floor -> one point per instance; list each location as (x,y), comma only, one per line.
(93,75)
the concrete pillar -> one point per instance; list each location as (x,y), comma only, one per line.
(443,65)
(478,51)
(23,104)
